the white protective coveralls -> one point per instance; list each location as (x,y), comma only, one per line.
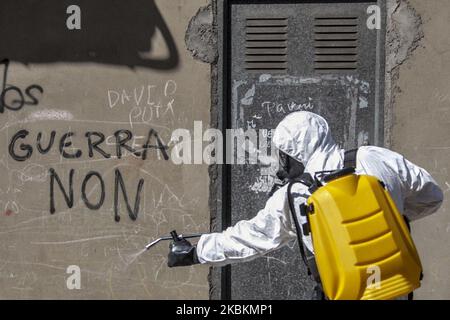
(306,137)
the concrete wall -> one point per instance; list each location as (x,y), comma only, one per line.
(420,105)
(78,79)
(73,81)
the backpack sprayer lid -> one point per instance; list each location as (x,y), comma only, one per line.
(338,174)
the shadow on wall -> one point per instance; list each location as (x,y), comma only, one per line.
(112,32)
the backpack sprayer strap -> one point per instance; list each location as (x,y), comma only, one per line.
(350,158)
(307,256)
(296,222)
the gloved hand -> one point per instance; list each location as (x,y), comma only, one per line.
(181,253)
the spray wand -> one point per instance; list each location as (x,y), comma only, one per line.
(175,237)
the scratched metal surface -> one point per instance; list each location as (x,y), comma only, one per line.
(260,100)
(71,89)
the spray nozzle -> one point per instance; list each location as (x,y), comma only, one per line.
(173,236)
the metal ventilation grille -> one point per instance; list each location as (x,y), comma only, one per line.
(266,45)
(335,44)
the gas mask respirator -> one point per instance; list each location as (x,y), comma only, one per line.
(289,168)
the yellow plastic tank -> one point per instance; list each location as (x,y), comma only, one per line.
(363,248)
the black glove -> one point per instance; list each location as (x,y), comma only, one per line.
(181,253)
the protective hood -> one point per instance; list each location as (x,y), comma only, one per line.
(306,137)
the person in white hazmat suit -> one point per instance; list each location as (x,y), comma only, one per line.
(304,138)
